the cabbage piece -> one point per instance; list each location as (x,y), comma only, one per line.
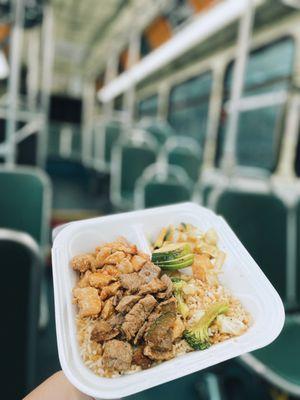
(230,325)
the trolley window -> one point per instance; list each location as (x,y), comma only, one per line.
(189,105)
(148,107)
(260,127)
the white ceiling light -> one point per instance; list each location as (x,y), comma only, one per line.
(4,68)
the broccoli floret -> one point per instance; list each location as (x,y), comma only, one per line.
(178,285)
(197,336)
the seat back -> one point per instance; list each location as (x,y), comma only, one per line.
(185,153)
(130,157)
(162,184)
(113,131)
(19,296)
(298,254)
(105,135)
(54,141)
(159,129)
(260,222)
(76,144)
(25,202)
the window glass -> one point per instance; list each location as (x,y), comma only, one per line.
(148,107)
(261,128)
(188,106)
(118,103)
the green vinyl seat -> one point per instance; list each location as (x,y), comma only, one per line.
(159,129)
(281,358)
(76,144)
(298,253)
(130,157)
(25,202)
(54,141)
(160,185)
(261,221)
(105,135)
(113,131)
(19,296)
(185,153)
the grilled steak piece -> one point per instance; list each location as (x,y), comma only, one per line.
(168,292)
(140,359)
(168,305)
(117,297)
(117,356)
(127,302)
(157,355)
(116,320)
(160,333)
(103,331)
(131,282)
(154,286)
(137,316)
(149,271)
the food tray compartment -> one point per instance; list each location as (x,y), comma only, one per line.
(240,274)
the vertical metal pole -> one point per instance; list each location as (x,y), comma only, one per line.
(286,167)
(244,37)
(215,106)
(47,70)
(133,58)
(110,73)
(14,81)
(33,53)
(87,129)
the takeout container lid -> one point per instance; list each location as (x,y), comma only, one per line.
(240,274)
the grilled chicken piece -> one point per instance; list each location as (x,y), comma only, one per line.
(100,279)
(108,309)
(84,280)
(115,258)
(125,266)
(88,301)
(138,262)
(102,254)
(84,262)
(108,291)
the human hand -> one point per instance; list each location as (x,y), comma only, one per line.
(56,387)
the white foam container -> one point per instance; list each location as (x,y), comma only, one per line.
(240,274)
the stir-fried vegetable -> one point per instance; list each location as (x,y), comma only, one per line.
(178,286)
(197,336)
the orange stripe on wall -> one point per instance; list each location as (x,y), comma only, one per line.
(4,32)
(158,32)
(124,59)
(201,5)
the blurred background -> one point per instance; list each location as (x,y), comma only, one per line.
(108,106)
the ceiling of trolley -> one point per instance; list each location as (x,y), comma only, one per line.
(87,31)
